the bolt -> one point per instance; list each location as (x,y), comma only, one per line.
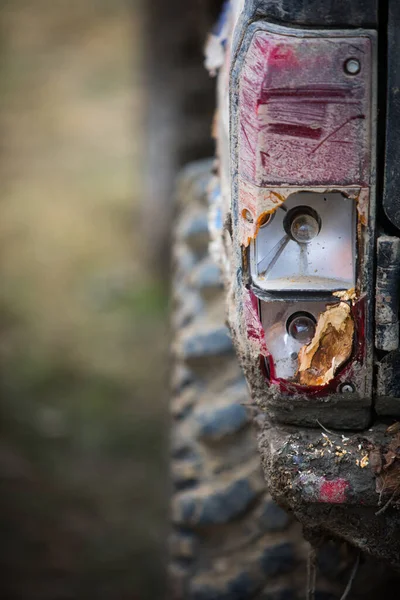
(247,215)
(347,388)
(352,66)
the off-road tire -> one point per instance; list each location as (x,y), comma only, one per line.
(230,541)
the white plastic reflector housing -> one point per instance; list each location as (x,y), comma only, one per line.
(325,261)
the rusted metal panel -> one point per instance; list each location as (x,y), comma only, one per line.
(388,385)
(391,188)
(325,13)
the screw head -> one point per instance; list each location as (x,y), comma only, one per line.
(347,388)
(352,66)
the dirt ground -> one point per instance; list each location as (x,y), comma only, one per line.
(82,315)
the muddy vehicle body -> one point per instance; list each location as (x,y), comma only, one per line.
(304,221)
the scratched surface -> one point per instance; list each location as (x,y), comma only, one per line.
(303,119)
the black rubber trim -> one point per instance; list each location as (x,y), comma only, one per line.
(391,191)
(325,13)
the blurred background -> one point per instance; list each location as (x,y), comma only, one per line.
(94,99)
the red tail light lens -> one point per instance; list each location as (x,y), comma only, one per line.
(302,130)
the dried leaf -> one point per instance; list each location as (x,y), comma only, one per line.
(389,481)
(389,457)
(394,428)
(346,294)
(375,460)
(395,443)
(380,484)
(330,348)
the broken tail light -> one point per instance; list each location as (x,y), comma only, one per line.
(302,137)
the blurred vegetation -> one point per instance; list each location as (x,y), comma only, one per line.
(82,317)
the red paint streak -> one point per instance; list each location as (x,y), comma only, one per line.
(358,312)
(294,130)
(262,44)
(352,118)
(284,56)
(334,491)
(319,93)
(254,328)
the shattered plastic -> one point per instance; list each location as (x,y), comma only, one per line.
(331,346)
